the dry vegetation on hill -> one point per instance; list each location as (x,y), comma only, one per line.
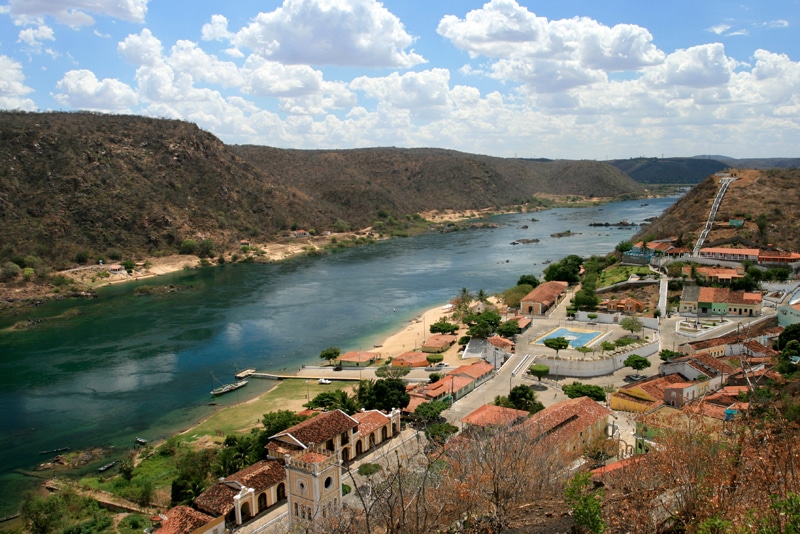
(72,182)
(768,202)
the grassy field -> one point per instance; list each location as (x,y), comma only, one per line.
(620,273)
(287,395)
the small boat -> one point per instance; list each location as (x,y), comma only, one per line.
(107,466)
(55,451)
(515,242)
(141,441)
(227,388)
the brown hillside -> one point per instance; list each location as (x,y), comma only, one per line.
(767,201)
(72,182)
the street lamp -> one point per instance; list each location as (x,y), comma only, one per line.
(308,395)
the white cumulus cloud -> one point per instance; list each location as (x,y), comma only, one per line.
(76,12)
(33,37)
(80,89)
(12,86)
(698,66)
(216,30)
(330,32)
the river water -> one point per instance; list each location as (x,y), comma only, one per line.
(101,372)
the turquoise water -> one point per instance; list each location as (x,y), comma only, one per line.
(576,338)
(103,371)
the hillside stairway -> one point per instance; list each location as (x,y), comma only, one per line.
(723,187)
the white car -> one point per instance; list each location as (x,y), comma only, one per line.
(324,381)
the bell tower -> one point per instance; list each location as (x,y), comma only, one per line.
(314,489)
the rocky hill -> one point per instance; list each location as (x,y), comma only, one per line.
(767,201)
(73,182)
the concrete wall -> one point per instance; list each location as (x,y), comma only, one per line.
(614,318)
(590,368)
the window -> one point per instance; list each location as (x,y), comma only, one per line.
(328,482)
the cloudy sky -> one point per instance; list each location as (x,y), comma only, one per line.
(560,79)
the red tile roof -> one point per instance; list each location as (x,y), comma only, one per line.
(474,370)
(358,357)
(546,293)
(218,499)
(183,520)
(440,340)
(411,358)
(565,419)
(312,457)
(369,421)
(491,415)
(501,342)
(319,429)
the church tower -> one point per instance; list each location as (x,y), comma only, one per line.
(314,489)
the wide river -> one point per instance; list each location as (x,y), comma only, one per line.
(101,372)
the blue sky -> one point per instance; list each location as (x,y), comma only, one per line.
(576,79)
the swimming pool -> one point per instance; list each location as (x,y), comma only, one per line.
(577,338)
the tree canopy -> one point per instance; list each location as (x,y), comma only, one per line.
(522,397)
(577,389)
(632,324)
(443,327)
(539,370)
(636,362)
(331,353)
(508,329)
(556,343)
(385,394)
(566,270)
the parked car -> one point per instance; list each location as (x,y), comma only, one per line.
(337,368)
(441,364)
(324,381)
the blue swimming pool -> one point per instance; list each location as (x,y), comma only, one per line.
(576,338)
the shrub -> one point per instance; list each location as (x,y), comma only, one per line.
(189,246)
(9,272)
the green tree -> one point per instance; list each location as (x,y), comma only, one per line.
(334,400)
(666,354)
(430,412)
(636,362)
(577,389)
(9,271)
(556,343)
(524,398)
(392,371)
(440,432)
(606,345)
(280,420)
(632,324)
(539,370)
(508,329)
(585,298)
(330,354)
(189,246)
(443,327)
(206,248)
(586,504)
(433,359)
(513,296)
(624,246)
(128,265)
(42,515)
(385,394)
(791,332)
(528,279)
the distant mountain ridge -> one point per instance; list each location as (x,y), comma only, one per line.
(72,182)
(692,170)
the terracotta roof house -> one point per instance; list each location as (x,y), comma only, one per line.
(246,493)
(568,426)
(410,359)
(329,430)
(711,301)
(336,432)
(523,322)
(730,254)
(501,343)
(357,358)
(643,395)
(414,401)
(682,393)
(777,257)
(490,415)
(626,305)
(696,366)
(714,274)
(480,372)
(542,298)
(438,343)
(448,388)
(185,520)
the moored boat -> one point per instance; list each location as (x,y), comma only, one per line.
(55,451)
(107,466)
(227,388)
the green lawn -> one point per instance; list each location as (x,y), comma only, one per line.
(620,273)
